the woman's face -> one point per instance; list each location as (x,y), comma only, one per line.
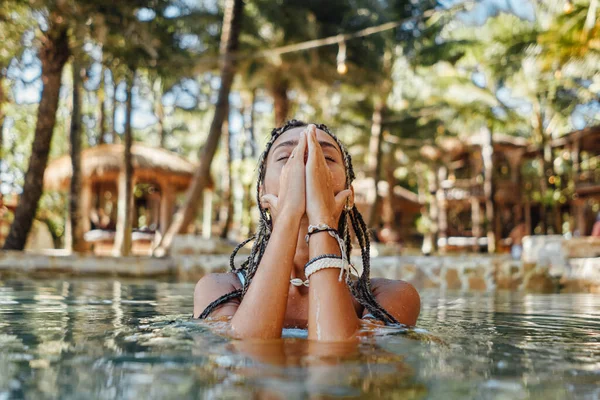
(282,148)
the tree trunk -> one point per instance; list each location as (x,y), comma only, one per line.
(125,204)
(250,141)
(430,239)
(232,22)
(2,100)
(54,52)
(374,160)
(113,122)
(544,166)
(101,109)
(487,153)
(75,241)
(249,151)
(228,184)
(281,103)
(442,221)
(159,111)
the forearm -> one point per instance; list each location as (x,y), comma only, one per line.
(262,310)
(331,314)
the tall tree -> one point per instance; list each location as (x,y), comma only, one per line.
(122,246)
(53,54)
(75,241)
(232,23)
(101,118)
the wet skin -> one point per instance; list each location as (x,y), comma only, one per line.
(297,192)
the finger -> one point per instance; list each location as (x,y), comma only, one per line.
(269,201)
(340,198)
(309,140)
(295,155)
(301,147)
(315,152)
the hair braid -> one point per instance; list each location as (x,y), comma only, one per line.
(361,288)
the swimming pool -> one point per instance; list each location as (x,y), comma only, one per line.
(134,339)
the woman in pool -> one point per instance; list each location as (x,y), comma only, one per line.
(292,279)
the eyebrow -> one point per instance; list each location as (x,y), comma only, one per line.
(294,143)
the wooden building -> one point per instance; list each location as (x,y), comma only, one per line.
(158,176)
(475,197)
(583,149)
(480,194)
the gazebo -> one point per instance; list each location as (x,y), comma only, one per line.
(158,175)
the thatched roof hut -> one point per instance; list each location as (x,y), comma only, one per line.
(103,164)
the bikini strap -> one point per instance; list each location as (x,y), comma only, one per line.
(241,276)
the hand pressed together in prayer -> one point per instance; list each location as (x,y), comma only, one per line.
(306,184)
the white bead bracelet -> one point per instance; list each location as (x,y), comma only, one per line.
(327,262)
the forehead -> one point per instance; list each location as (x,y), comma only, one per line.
(294,134)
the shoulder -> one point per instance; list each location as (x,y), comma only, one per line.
(228,279)
(212,286)
(399,298)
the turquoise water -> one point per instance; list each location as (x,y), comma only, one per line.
(84,339)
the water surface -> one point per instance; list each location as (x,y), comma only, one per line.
(134,339)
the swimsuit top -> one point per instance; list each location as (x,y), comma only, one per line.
(241,276)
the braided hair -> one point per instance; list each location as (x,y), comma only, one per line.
(360,288)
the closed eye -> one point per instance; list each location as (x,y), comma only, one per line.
(286,157)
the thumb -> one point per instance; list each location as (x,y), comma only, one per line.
(269,201)
(340,198)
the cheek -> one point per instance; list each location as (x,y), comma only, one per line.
(272,181)
(338,178)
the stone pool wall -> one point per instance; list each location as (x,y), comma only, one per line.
(472,272)
(54,264)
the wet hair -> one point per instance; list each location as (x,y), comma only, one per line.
(360,287)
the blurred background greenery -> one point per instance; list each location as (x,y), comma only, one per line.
(464,118)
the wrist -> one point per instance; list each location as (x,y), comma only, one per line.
(290,214)
(323,220)
(287,221)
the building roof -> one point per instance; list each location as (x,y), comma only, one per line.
(104,162)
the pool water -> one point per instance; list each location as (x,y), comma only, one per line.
(89,339)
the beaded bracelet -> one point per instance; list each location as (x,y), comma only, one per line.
(325,263)
(312,229)
(317,258)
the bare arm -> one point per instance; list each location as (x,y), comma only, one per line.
(262,311)
(331,313)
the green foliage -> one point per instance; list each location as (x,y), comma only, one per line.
(438,77)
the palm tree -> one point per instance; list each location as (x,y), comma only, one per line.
(53,54)
(232,23)
(14,21)
(75,240)
(122,246)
